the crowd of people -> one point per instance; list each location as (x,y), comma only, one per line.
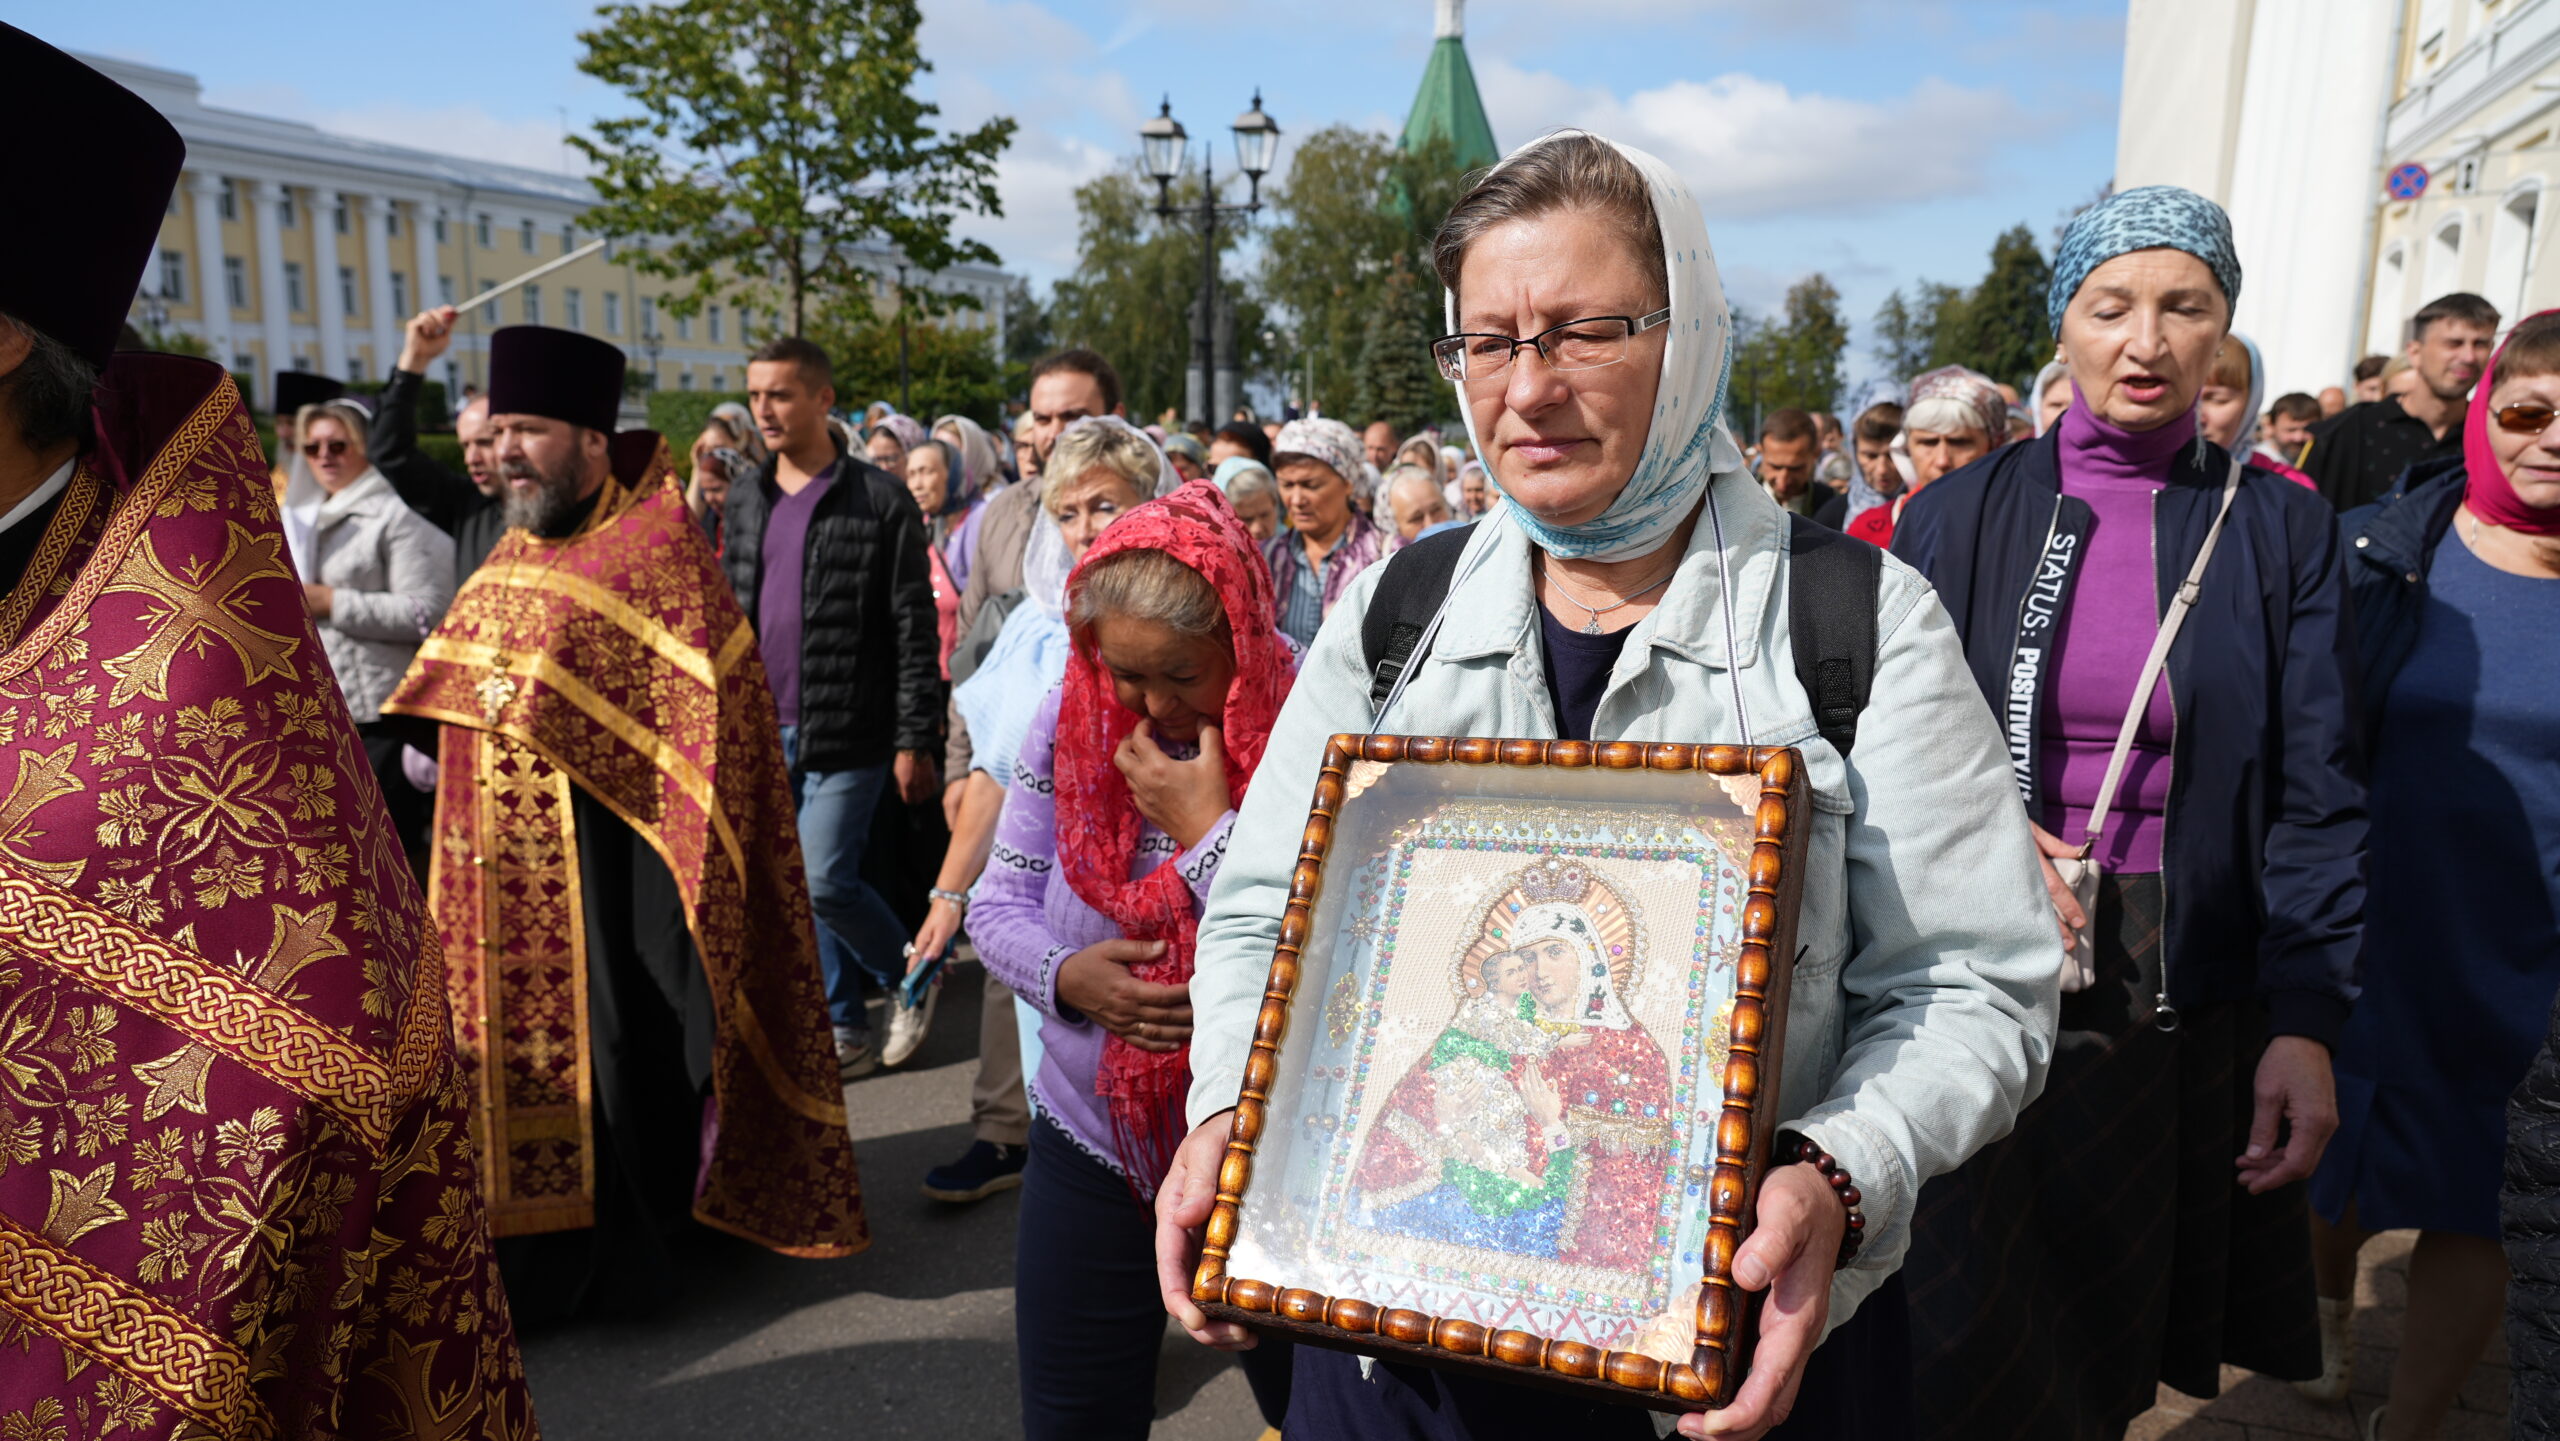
(2179,903)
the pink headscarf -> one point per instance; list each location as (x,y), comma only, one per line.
(2486,489)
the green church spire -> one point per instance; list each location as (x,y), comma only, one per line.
(1447,107)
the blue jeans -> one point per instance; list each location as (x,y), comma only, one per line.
(859,937)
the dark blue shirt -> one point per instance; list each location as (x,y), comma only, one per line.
(2462,930)
(1578,667)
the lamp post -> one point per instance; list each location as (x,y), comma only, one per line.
(650,345)
(1257,144)
(904,406)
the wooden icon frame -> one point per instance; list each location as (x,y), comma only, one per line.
(1742,1131)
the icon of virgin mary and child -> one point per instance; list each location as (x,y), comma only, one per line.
(1538,1124)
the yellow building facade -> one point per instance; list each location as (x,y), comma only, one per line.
(290,248)
(2475,99)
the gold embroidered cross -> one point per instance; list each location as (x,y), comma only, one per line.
(205,604)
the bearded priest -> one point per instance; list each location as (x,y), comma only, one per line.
(627,935)
(237,1195)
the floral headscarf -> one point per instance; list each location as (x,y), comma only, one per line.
(1098,823)
(2149,217)
(1954,398)
(1327,442)
(908,430)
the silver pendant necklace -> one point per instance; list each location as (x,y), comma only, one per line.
(1592,627)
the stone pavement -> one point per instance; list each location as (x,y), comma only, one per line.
(2254,1408)
(914,1338)
(911,1339)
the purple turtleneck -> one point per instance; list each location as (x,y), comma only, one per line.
(2107,630)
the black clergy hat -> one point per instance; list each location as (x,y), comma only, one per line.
(536,370)
(298,388)
(95,185)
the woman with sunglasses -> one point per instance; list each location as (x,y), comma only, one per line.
(377,578)
(2456,579)
(2145,1222)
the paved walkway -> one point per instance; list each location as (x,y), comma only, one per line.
(2254,1408)
(914,1339)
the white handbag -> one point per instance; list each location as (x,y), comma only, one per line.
(2080,872)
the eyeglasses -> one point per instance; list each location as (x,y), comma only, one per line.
(1585,344)
(2528,418)
(317,448)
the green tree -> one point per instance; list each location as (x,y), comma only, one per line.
(2004,332)
(1947,310)
(952,369)
(1903,334)
(1997,327)
(1136,282)
(775,140)
(1353,223)
(1395,380)
(1789,361)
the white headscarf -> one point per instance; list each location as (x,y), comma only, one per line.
(1029,655)
(981,469)
(2246,442)
(1596,1001)
(2053,370)
(1687,440)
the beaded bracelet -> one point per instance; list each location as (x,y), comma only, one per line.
(1792,1146)
(957,898)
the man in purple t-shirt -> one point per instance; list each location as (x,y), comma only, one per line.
(828,557)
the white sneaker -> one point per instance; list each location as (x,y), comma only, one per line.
(908,1024)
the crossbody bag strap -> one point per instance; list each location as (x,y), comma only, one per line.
(2153,663)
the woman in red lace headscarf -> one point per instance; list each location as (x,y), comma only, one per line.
(1110,837)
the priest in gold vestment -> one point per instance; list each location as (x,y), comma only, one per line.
(629,946)
(237,1194)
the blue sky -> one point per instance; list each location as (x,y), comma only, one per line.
(1878,141)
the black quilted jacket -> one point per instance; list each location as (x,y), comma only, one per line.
(2529,1212)
(870,646)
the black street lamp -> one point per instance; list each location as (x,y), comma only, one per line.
(904,405)
(1257,144)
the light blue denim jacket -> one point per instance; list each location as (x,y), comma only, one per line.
(1924,1003)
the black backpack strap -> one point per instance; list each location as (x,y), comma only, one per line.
(1409,593)
(1831,617)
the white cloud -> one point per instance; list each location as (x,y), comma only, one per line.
(1752,148)
(462,130)
(453,128)
(1020,59)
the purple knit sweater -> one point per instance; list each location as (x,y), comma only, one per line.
(1024,919)
(2107,630)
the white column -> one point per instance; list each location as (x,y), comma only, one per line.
(274,319)
(213,296)
(422,291)
(377,263)
(2303,183)
(422,233)
(331,304)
